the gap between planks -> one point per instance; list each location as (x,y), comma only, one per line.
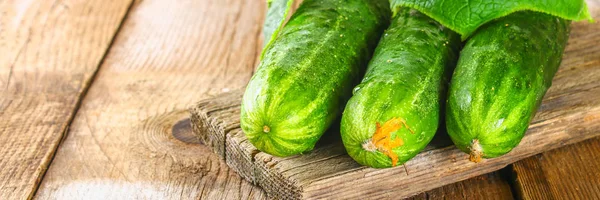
(88,84)
(121,142)
(47,79)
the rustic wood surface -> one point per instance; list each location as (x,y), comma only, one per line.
(167,55)
(566,173)
(488,186)
(570,113)
(49,52)
(129,136)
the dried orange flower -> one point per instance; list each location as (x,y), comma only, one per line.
(382,139)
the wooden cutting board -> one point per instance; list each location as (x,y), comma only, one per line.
(570,113)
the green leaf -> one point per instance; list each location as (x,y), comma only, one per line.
(465,16)
(276,13)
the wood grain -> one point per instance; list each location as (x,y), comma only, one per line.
(50,51)
(571,172)
(567,115)
(167,55)
(485,187)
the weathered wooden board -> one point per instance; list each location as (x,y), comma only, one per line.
(570,113)
(490,186)
(571,172)
(494,185)
(167,55)
(49,53)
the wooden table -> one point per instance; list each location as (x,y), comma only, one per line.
(94,98)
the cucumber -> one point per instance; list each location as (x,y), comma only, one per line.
(502,74)
(395,110)
(307,73)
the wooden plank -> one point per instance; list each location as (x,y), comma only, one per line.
(167,55)
(50,51)
(488,186)
(571,172)
(568,115)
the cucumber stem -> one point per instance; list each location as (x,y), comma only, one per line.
(476,152)
(266,129)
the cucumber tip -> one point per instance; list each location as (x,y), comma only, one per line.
(476,153)
(369,146)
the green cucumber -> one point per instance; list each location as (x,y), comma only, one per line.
(395,111)
(307,73)
(502,74)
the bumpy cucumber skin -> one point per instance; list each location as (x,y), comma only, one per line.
(405,79)
(501,77)
(307,74)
